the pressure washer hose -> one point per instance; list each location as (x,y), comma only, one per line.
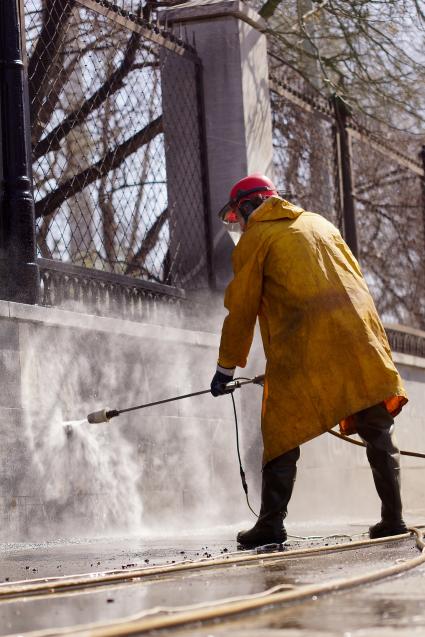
(157,618)
(412,454)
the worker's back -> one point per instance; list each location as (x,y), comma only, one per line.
(327,352)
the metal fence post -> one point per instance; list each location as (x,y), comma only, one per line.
(204,171)
(422,306)
(345,174)
(19,276)
(422,157)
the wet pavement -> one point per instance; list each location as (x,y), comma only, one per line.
(390,607)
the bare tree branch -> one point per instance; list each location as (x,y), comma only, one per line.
(111,160)
(111,85)
(149,241)
(109,225)
(42,234)
(45,55)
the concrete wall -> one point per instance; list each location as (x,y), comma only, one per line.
(152,468)
(165,468)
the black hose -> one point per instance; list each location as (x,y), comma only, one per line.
(241,471)
(412,454)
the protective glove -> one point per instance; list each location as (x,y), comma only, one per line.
(218,383)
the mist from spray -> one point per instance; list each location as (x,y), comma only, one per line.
(86,466)
(165,469)
(86,482)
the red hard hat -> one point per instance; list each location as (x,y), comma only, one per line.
(243,189)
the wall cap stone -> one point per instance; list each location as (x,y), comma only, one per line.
(405,329)
(67,318)
(408,359)
(56,317)
(200,10)
(4,309)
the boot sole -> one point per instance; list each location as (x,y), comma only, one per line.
(271,547)
(376,536)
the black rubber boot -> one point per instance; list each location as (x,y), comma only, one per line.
(384,529)
(277,484)
(376,427)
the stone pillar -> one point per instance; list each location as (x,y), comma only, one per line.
(229,39)
(345,169)
(187,204)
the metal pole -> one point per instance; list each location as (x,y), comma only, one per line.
(203,156)
(345,174)
(422,157)
(422,300)
(19,275)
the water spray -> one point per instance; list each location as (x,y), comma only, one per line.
(105,415)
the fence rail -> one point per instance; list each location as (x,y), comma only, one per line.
(130,20)
(68,286)
(406,341)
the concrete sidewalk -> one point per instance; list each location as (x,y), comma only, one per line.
(394,605)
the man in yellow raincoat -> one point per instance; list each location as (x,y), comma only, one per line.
(328,358)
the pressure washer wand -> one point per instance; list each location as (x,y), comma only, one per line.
(105,415)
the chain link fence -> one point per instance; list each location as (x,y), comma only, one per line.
(117,140)
(387,188)
(388,194)
(103,142)
(303,142)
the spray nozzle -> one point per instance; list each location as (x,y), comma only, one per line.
(102,415)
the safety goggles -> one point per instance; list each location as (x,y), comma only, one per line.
(228,213)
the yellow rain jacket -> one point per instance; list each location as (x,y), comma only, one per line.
(327,353)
